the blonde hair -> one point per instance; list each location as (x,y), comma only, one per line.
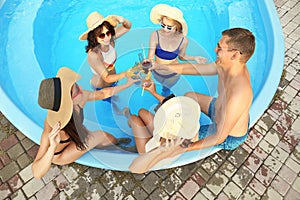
(176,23)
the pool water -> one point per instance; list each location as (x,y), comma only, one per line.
(39,37)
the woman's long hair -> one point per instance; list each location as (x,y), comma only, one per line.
(92,35)
(76,130)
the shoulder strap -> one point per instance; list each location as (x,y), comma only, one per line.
(157,36)
(180,42)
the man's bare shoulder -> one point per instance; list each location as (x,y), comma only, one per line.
(241,89)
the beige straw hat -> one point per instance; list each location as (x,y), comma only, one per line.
(179,117)
(55,95)
(172,12)
(94,20)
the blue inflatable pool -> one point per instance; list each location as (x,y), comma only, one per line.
(39,37)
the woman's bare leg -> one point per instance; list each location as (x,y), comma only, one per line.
(147,117)
(140,132)
(101,139)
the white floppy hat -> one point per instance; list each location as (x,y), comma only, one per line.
(94,20)
(178,117)
(172,12)
(55,95)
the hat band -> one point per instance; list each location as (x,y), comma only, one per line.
(57,94)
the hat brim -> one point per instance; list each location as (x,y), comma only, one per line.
(67,78)
(109,18)
(159,124)
(165,10)
(189,108)
(153,143)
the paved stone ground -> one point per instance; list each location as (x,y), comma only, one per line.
(266,167)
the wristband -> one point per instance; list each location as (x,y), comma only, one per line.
(185,144)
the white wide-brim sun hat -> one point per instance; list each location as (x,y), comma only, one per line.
(169,11)
(178,117)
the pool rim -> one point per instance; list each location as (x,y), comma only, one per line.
(262,100)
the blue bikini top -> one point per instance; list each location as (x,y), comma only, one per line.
(166,55)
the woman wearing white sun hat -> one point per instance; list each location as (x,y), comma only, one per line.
(101,35)
(175,123)
(169,43)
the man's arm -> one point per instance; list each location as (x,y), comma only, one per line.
(109,91)
(188,68)
(229,118)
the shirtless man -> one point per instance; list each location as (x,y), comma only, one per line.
(230,110)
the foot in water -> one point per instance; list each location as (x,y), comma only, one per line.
(122,141)
(132,149)
(126,112)
(122,144)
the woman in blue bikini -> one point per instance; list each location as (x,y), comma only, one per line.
(101,35)
(168,43)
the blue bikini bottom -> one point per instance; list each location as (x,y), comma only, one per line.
(112,85)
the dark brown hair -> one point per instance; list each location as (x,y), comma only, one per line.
(92,35)
(76,130)
(242,40)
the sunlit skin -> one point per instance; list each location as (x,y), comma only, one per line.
(168,23)
(234,93)
(106,41)
(224,53)
(142,126)
(169,41)
(51,136)
(96,79)
(230,70)
(103,77)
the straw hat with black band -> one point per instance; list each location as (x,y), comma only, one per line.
(55,95)
(169,11)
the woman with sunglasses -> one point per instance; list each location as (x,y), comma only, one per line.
(65,138)
(101,35)
(168,43)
